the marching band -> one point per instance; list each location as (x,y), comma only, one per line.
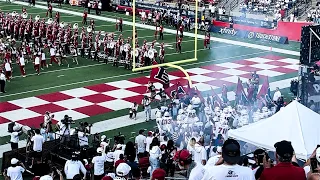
(62,39)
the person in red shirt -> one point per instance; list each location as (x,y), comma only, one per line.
(120,24)
(284,169)
(121,160)
(161,32)
(207,40)
(58,17)
(85,15)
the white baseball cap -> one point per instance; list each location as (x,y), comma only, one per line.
(123,169)
(46,177)
(119,146)
(103,137)
(14,161)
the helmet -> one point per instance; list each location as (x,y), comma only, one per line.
(166,114)
(180,111)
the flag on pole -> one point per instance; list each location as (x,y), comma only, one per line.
(224,93)
(216,99)
(159,74)
(264,93)
(176,89)
(241,96)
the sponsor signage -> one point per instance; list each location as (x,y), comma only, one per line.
(249,34)
(247,21)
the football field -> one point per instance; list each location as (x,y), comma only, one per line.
(101,94)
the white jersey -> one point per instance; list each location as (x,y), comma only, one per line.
(7,66)
(52,52)
(37,61)
(221,129)
(21,61)
(43,56)
(166,124)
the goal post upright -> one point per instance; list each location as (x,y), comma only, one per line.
(168,64)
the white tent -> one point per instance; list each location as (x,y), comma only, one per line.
(295,123)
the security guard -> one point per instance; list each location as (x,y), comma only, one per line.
(2,82)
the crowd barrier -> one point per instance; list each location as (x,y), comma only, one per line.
(249,34)
(291,30)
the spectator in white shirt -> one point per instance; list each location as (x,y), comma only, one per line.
(155,155)
(229,169)
(104,144)
(200,153)
(220,11)
(140,142)
(276,95)
(37,140)
(15,137)
(98,164)
(14,172)
(117,152)
(214,159)
(149,140)
(73,167)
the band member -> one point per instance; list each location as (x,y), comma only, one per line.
(8,69)
(161,32)
(43,60)
(49,12)
(179,41)
(161,56)
(22,65)
(58,17)
(53,56)
(92,24)
(85,15)
(207,40)
(37,63)
(74,55)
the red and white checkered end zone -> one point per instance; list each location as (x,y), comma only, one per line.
(103,98)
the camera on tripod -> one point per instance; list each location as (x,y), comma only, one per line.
(67,120)
(119,138)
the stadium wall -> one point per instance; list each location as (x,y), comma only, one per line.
(292,30)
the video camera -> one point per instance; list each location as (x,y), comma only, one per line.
(119,138)
(67,120)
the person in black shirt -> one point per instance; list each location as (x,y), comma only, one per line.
(39,168)
(163,97)
(152,89)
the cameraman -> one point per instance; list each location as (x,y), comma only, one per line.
(258,158)
(15,137)
(64,129)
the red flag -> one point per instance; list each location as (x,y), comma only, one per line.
(216,98)
(199,94)
(265,89)
(159,74)
(240,93)
(176,89)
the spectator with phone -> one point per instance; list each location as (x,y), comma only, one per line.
(284,169)
(312,165)
(98,164)
(14,172)
(258,167)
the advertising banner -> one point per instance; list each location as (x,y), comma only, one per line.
(249,34)
(247,21)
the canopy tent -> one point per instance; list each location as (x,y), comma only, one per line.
(295,123)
